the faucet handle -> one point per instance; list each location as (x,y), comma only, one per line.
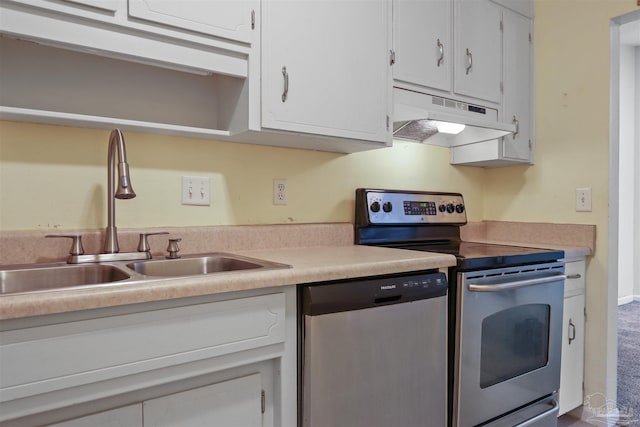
(76,245)
(173,248)
(143,243)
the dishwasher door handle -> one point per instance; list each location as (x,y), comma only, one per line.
(386,300)
(499,287)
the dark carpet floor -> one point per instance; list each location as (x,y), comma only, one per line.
(629,362)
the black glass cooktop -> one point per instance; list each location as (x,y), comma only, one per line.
(472,256)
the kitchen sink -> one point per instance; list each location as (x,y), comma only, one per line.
(201,264)
(49,277)
(43,278)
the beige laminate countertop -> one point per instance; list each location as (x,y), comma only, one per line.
(311,264)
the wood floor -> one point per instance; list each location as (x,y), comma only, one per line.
(567,421)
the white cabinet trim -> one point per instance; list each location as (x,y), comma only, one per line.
(150,340)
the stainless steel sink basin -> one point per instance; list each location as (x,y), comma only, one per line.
(201,264)
(41,278)
(49,277)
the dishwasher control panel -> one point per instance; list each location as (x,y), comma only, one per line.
(357,294)
(392,207)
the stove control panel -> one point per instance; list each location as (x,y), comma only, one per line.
(409,207)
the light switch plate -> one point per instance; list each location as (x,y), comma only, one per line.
(196,190)
(583,199)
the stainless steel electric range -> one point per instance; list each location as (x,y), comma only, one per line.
(504,308)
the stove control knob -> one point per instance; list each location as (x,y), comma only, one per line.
(450,207)
(460,208)
(442,208)
(375,207)
(387,207)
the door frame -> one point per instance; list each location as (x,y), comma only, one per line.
(614,203)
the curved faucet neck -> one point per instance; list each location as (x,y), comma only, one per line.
(116,143)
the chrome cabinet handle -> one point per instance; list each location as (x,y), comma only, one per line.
(517,123)
(498,287)
(574,276)
(572,331)
(441,51)
(469,60)
(285,76)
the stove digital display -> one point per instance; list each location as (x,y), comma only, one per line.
(419,208)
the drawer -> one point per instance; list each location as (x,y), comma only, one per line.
(53,357)
(576,278)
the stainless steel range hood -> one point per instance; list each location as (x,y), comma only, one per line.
(421,117)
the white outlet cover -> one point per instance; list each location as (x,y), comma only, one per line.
(279,191)
(196,190)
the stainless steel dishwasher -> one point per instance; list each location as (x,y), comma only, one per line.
(372,352)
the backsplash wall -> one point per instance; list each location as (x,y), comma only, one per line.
(54,177)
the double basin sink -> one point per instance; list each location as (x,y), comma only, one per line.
(47,277)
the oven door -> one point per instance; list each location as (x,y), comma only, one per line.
(508,343)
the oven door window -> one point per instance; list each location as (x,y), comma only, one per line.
(514,341)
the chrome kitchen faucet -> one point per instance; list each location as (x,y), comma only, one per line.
(124,190)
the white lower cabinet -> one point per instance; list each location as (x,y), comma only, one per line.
(227,360)
(572,366)
(130,416)
(235,402)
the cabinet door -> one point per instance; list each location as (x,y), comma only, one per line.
(109,5)
(478,47)
(231,19)
(325,68)
(517,61)
(523,7)
(128,416)
(94,9)
(572,365)
(422,42)
(237,402)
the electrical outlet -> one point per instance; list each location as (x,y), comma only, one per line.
(583,199)
(279,191)
(196,190)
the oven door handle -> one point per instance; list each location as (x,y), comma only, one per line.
(499,287)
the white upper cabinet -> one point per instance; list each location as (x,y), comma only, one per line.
(422,42)
(478,49)
(453,46)
(325,68)
(231,19)
(518,84)
(523,7)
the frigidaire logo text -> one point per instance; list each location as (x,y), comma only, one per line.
(387,287)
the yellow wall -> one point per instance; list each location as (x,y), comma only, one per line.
(55,177)
(572,135)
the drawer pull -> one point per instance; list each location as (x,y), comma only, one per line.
(572,331)
(517,123)
(285,76)
(574,276)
